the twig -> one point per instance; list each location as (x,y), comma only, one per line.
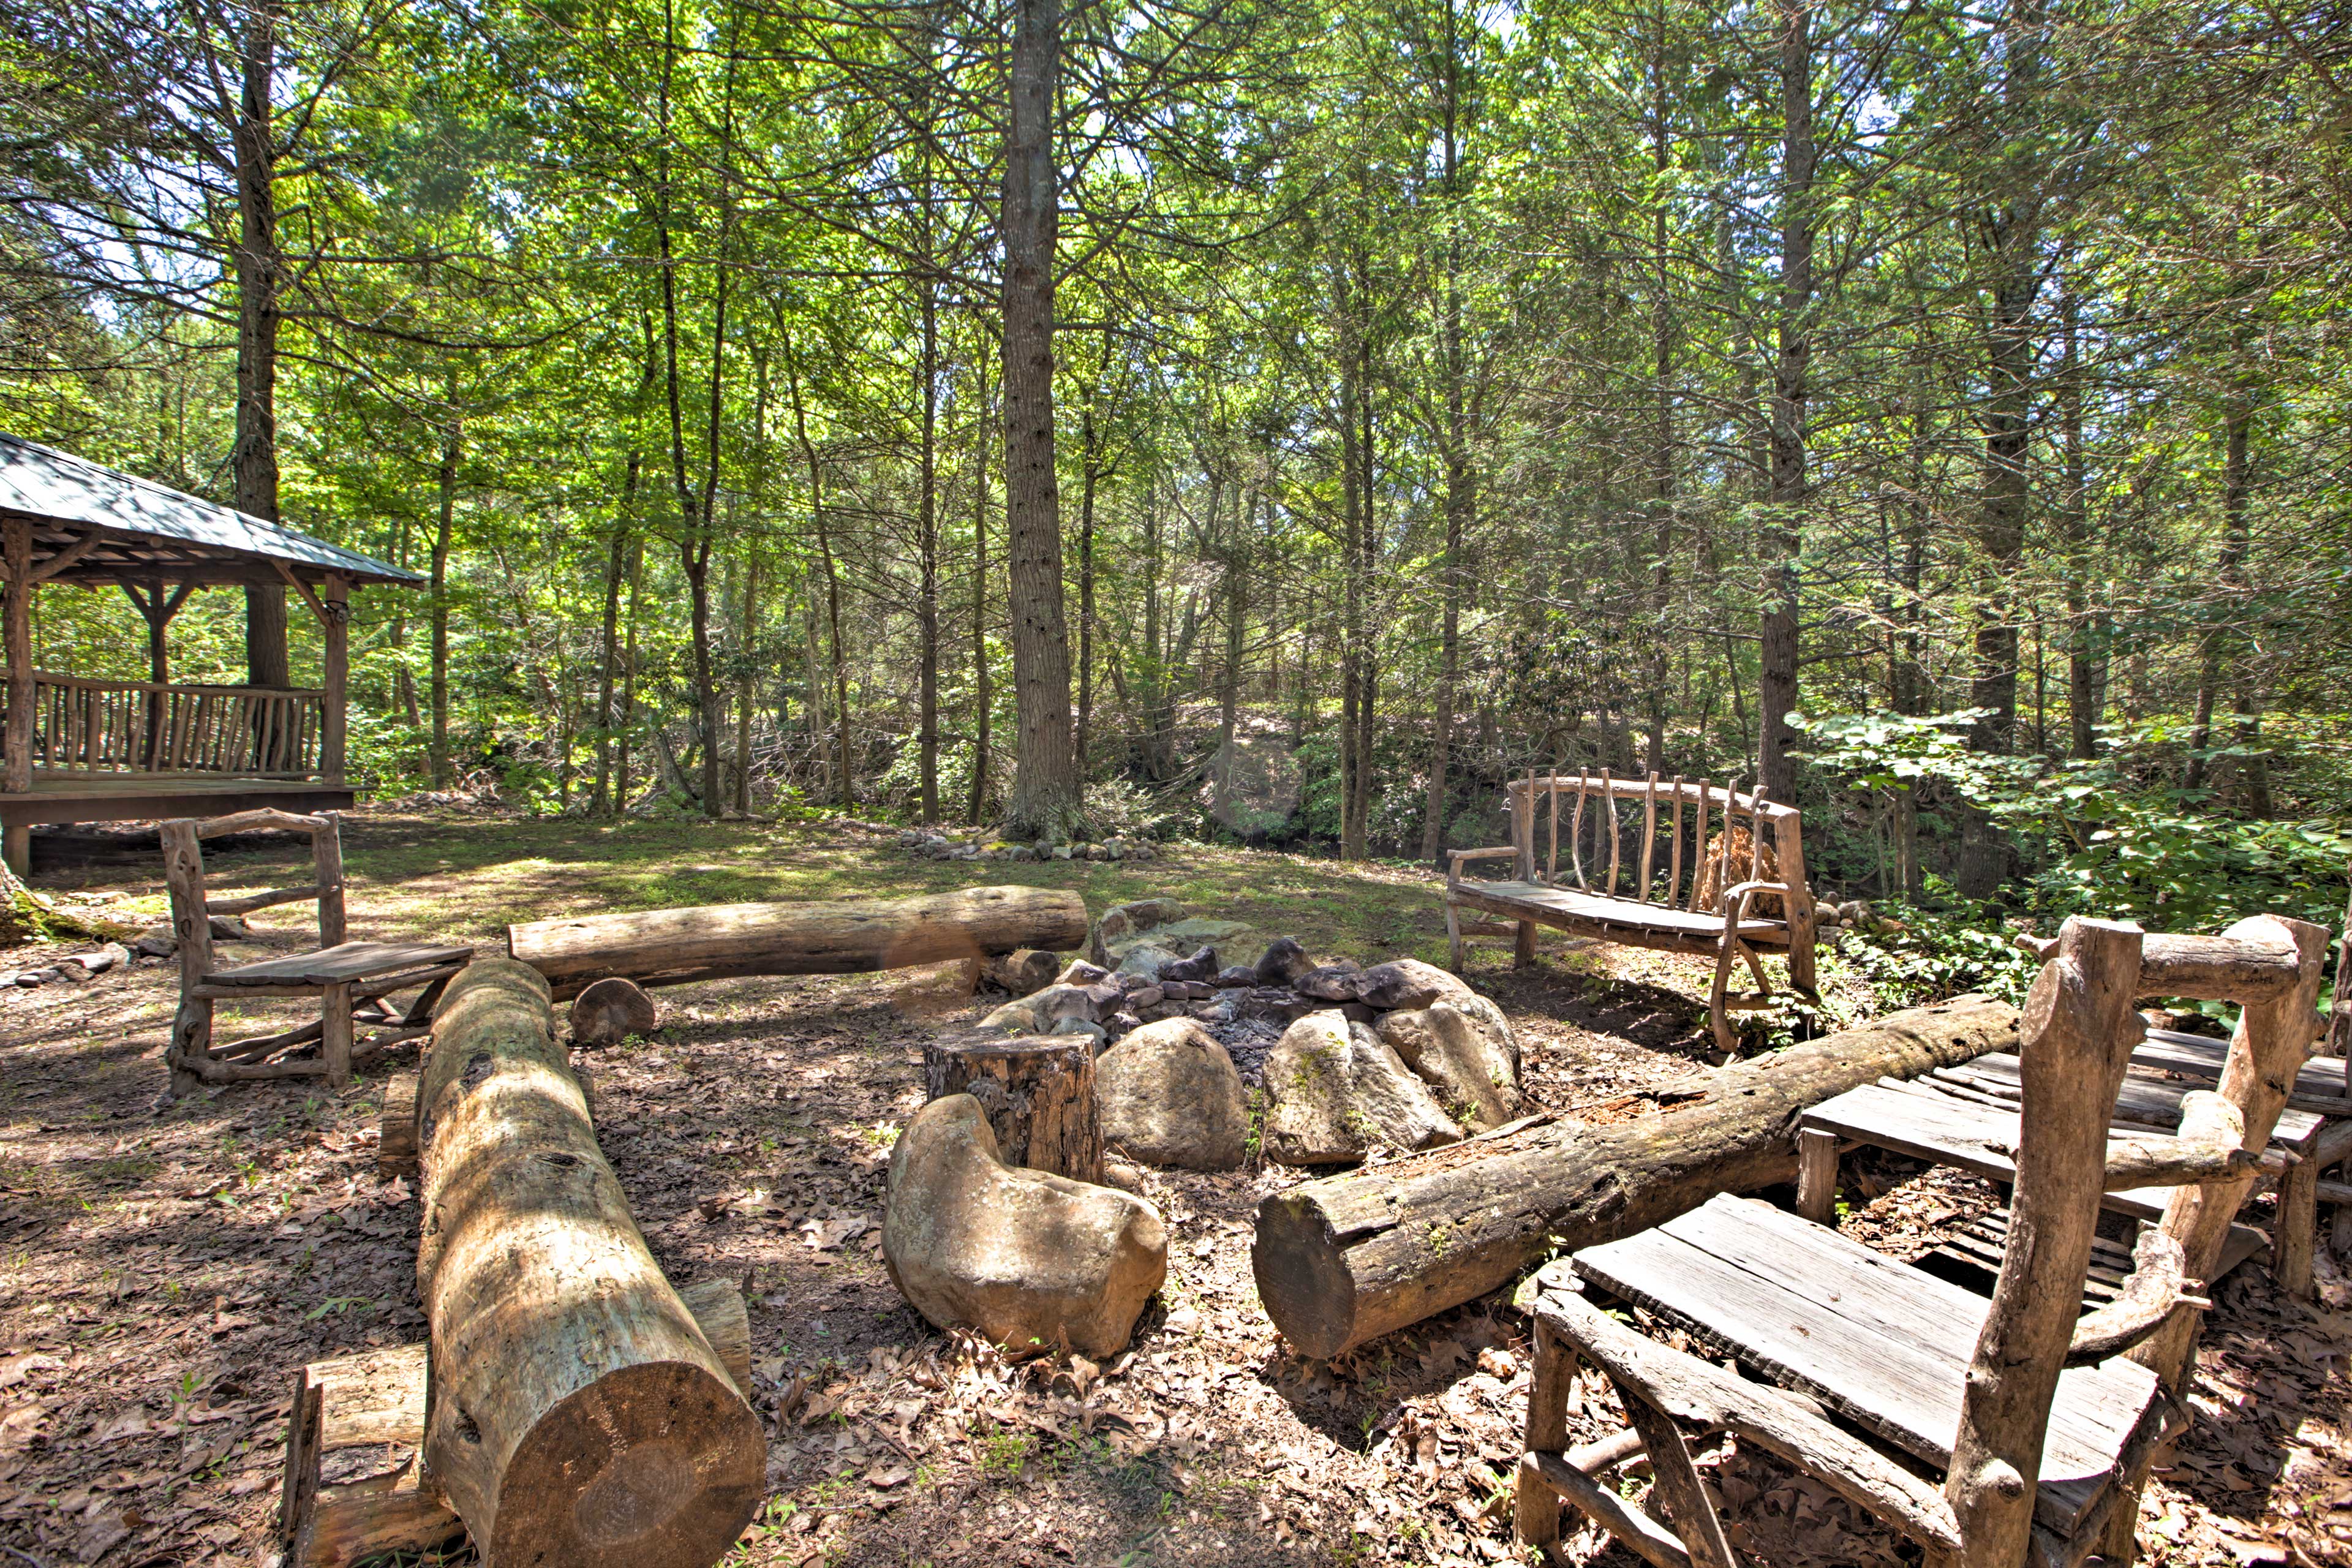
(20,1552)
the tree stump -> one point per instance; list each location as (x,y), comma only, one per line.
(610,1010)
(1038,1091)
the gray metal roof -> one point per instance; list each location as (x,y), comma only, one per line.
(55,486)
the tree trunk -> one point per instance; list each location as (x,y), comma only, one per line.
(1038,1093)
(983,679)
(575,1413)
(1046,786)
(259,268)
(670,947)
(2229,572)
(1783,537)
(1350,1258)
(2085,638)
(926,525)
(452,440)
(609,653)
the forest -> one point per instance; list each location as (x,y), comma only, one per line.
(1251,421)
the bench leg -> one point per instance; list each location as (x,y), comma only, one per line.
(335,1043)
(1536,1508)
(1523,945)
(1725,1040)
(1687,1510)
(1817,1174)
(1454,936)
(192,1039)
(2298,1229)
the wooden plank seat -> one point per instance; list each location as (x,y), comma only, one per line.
(1732,893)
(1992,1432)
(1881,1344)
(352,979)
(351,962)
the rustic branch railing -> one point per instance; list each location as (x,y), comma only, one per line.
(88,726)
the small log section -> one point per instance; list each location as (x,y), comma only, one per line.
(610,1010)
(847,936)
(576,1413)
(1038,1091)
(354,1490)
(1347,1259)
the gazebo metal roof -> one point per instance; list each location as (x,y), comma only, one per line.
(117,528)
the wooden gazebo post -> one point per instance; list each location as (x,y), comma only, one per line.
(331,603)
(17,553)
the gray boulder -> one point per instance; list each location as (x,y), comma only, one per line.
(1283,960)
(1465,1050)
(1122,921)
(1408,983)
(1030,1259)
(1336,1091)
(1167,1095)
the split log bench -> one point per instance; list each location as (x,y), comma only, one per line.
(352,980)
(1744,892)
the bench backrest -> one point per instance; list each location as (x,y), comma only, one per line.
(193,908)
(1675,843)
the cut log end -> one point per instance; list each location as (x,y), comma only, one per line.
(1303,1277)
(677,1490)
(610,1010)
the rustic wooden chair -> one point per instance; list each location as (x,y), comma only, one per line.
(352,979)
(1746,892)
(1870,1370)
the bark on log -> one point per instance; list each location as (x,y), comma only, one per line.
(1347,1259)
(395,1149)
(610,1010)
(1038,1091)
(354,1489)
(669,947)
(577,1415)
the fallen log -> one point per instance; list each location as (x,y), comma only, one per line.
(846,936)
(1350,1257)
(577,1414)
(354,1490)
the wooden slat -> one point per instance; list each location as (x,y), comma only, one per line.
(1609,799)
(351,960)
(1649,835)
(1675,872)
(1533,900)
(245,903)
(2147,1099)
(1883,1344)
(1576,835)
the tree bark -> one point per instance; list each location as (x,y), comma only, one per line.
(1783,538)
(1045,786)
(259,268)
(669,947)
(1350,1258)
(1038,1093)
(452,444)
(575,1413)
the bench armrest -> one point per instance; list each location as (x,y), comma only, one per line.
(1453,859)
(1734,902)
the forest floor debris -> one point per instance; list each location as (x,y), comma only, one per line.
(164,1270)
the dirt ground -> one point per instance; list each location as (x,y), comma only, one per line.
(165,1267)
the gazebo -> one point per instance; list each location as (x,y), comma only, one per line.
(82,749)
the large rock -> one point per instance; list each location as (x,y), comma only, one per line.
(1283,962)
(1167,1095)
(1408,983)
(1465,1050)
(1024,971)
(1031,1260)
(1335,1091)
(1122,921)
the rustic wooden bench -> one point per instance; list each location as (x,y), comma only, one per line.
(1990,1431)
(1725,907)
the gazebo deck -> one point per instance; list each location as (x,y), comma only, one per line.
(63,797)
